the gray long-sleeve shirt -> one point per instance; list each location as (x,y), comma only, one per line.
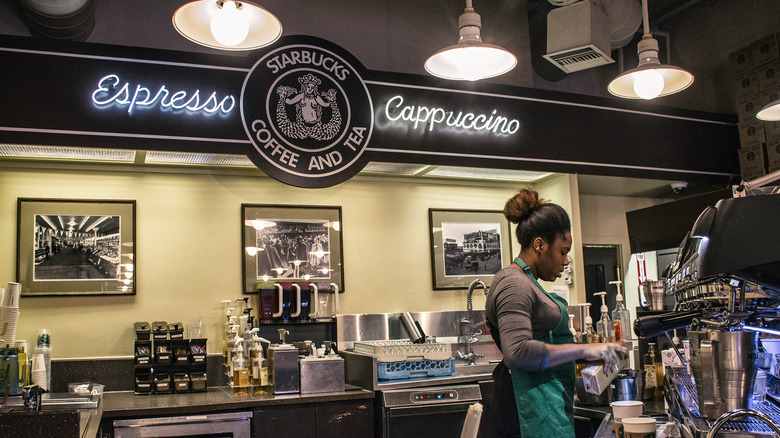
(521,311)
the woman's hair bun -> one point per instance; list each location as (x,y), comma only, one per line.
(524,203)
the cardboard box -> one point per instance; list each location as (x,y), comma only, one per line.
(746,84)
(766,50)
(751,132)
(771,129)
(773,155)
(752,162)
(769,75)
(747,107)
(742,60)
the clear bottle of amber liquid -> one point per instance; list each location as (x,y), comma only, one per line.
(648,362)
(659,377)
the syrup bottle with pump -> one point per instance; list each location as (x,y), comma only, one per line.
(258,374)
(588,336)
(604,327)
(240,370)
(620,316)
(571,326)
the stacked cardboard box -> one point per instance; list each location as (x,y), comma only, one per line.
(756,83)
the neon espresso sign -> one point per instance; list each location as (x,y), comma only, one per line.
(429,118)
(111,91)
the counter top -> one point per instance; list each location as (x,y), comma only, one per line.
(125,404)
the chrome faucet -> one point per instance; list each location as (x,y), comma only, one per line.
(743,413)
(471,333)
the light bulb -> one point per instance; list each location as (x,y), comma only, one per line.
(467,64)
(251,251)
(229,25)
(648,84)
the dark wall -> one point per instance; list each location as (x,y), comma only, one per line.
(665,226)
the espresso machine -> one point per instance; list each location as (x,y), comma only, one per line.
(726,287)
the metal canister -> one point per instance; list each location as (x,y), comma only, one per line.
(724,366)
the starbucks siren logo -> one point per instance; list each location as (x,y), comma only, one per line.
(308,114)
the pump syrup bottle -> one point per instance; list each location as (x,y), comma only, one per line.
(588,336)
(258,365)
(240,370)
(604,327)
(620,316)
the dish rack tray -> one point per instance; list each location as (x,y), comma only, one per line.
(410,369)
(400,350)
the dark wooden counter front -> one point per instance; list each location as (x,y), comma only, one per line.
(332,414)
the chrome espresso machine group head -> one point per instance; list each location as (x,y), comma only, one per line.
(726,285)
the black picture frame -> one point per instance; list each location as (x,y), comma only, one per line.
(302,243)
(454,255)
(76,247)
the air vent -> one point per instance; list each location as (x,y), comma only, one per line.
(578,37)
(580,58)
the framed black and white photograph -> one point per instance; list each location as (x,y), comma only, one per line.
(291,244)
(467,245)
(76,247)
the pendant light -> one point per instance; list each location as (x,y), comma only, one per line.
(227,24)
(470,59)
(650,79)
(770,113)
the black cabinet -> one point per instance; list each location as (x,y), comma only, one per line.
(338,419)
(352,418)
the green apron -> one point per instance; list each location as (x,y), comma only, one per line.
(545,399)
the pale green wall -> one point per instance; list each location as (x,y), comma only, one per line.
(604,223)
(189,243)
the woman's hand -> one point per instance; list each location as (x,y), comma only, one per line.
(609,353)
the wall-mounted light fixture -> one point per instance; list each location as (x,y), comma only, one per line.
(650,79)
(470,59)
(227,24)
(770,113)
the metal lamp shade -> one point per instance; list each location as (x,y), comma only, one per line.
(675,79)
(193,21)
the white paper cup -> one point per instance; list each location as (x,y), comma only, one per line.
(11,297)
(38,363)
(625,409)
(639,427)
(38,377)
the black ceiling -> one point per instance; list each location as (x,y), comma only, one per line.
(397,36)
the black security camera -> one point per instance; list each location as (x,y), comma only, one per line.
(679,186)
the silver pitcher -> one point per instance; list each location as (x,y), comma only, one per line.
(724,366)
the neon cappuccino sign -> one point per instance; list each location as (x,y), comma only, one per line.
(431,117)
(111,90)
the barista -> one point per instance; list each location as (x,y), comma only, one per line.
(534,384)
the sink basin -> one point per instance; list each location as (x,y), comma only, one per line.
(463,369)
(53,402)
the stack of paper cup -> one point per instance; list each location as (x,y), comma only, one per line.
(639,427)
(38,373)
(9,313)
(625,409)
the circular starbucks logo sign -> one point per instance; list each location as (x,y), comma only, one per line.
(308,113)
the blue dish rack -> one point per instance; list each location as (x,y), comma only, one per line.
(409,369)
